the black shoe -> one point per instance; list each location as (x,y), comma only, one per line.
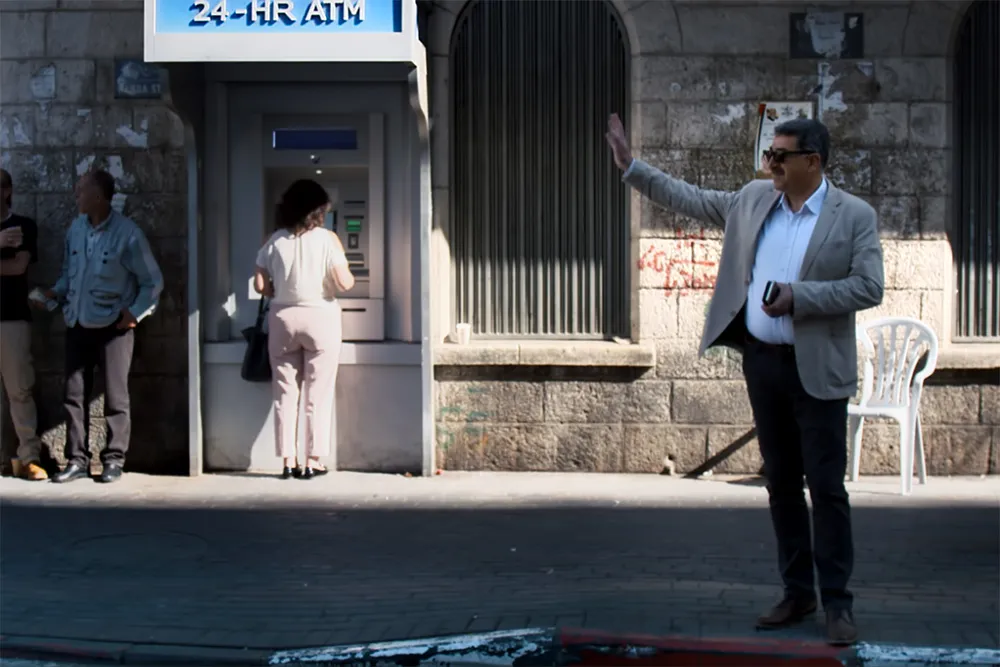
(112,473)
(311,472)
(790,611)
(70,473)
(288,472)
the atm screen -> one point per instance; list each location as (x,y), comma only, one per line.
(353,224)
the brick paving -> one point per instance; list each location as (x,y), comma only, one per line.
(256,562)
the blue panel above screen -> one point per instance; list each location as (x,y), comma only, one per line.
(314,139)
(205,17)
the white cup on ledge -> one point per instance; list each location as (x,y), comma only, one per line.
(463,333)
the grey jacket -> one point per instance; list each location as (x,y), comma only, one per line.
(842,272)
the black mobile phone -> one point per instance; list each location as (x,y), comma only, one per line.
(771,291)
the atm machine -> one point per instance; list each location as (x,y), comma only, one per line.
(345,154)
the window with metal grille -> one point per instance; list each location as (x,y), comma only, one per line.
(976,237)
(539,223)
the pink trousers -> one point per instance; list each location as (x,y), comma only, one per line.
(304,346)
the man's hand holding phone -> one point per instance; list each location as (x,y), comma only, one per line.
(777,299)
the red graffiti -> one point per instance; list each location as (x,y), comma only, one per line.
(680,265)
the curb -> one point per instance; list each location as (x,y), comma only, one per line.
(530,647)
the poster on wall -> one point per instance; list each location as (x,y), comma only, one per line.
(770,115)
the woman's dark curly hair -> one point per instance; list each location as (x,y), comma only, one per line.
(300,199)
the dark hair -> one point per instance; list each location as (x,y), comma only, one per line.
(105,183)
(811,135)
(300,199)
(6,182)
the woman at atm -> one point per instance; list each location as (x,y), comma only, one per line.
(300,268)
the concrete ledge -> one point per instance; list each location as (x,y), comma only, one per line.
(546,353)
(972,356)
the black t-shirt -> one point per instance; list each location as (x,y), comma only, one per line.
(14,289)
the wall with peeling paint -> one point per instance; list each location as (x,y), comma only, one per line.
(58,118)
(699,71)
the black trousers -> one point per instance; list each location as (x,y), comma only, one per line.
(800,435)
(110,349)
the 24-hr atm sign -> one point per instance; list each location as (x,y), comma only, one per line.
(184,16)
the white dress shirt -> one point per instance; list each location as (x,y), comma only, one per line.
(781,247)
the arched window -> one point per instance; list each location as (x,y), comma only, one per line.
(976,234)
(539,223)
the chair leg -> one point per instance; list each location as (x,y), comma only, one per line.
(921,461)
(905,457)
(855,427)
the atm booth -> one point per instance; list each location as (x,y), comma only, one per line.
(337,96)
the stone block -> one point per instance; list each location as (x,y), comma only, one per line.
(159,355)
(879,448)
(929,125)
(725,170)
(138,171)
(652,129)
(884,27)
(158,215)
(935,217)
(692,311)
(851,170)
(657,314)
(22,35)
(495,354)
(676,78)
(507,402)
(990,413)
(912,79)
(742,30)
(923,171)
(929,29)
(113,128)
(846,80)
(64,125)
(153,398)
(879,124)
(709,125)
(40,172)
(65,81)
(597,448)
(898,217)
(678,359)
(664,263)
(894,303)
(916,264)
(17,126)
(933,311)
(749,79)
(96,34)
(55,213)
(648,447)
(950,405)
(656,28)
(711,402)
(496,447)
(995,452)
(607,402)
(744,461)
(958,450)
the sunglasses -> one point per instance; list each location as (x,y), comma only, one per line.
(778,157)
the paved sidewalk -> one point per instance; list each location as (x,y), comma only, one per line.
(251,561)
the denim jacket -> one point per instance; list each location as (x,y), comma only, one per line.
(120,273)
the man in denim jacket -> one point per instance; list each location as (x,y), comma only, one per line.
(110,281)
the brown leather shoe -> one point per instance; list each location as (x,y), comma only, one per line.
(30,471)
(840,628)
(787,612)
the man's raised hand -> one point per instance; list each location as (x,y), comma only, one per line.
(618,142)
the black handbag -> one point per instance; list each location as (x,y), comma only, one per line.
(256,361)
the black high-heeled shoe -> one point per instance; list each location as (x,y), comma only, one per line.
(311,472)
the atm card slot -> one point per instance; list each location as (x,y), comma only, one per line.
(360,273)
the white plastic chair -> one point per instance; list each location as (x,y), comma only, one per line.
(891,388)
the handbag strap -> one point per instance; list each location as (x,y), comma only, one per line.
(262,308)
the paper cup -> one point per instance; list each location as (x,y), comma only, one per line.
(463,333)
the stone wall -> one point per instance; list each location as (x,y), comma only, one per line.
(59,116)
(700,70)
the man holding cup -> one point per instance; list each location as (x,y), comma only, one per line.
(18,249)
